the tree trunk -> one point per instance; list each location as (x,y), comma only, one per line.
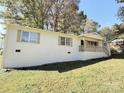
(56,23)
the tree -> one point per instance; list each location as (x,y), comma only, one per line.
(27,12)
(120,1)
(82,19)
(67,18)
(121,11)
(121,28)
(54,15)
(116,31)
(107,32)
(71,20)
(91,26)
(55,12)
(118,28)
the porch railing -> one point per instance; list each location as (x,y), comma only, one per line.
(90,49)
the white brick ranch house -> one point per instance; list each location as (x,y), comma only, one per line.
(25,47)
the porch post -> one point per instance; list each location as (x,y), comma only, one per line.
(85,45)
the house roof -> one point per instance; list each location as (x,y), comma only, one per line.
(26,28)
(93,35)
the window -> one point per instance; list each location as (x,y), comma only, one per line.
(68,41)
(92,43)
(31,37)
(65,41)
(62,40)
(25,37)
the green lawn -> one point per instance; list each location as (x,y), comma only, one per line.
(96,76)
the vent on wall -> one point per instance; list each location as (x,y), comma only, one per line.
(69,52)
(17,50)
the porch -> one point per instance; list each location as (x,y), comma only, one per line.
(83,48)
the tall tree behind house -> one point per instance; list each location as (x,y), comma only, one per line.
(56,15)
(90,26)
(121,11)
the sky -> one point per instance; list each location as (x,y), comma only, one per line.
(102,11)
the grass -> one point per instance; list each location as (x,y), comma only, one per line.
(95,76)
(1,59)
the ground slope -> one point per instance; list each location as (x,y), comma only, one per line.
(96,76)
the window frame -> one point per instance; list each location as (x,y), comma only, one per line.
(22,36)
(29,37)
(62,42)
(66,43)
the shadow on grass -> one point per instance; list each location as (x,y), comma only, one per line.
(67,66)
(118,56)
(64,66)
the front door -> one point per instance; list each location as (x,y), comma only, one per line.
(82,42)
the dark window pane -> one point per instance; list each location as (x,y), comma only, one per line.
(33,37)
(62,40)
(25,37)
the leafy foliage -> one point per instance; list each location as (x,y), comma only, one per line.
(107,32)
(91,26)
(116,31)
(57,15)
(120,1)
(121,10)
(121,13)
